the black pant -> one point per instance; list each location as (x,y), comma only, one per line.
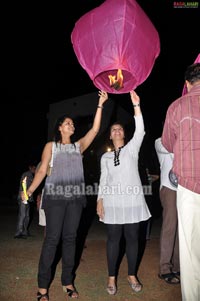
(61,223)
(114,233)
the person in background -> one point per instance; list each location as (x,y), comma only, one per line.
(121,204)
(181,136)
(169,266)
(63,199)
(23,221)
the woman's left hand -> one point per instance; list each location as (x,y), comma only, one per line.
(135,98)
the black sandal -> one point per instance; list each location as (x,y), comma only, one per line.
(42,297)
(170,278)
(177,274)
(72,293)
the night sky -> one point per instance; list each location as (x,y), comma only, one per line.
(37,62)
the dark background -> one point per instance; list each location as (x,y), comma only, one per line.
(38,67)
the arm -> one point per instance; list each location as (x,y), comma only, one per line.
(103,178)
(138,136)
(100,208)
(91,134)
(168,136)
(102,183)
(42,170)
(38,200)
(136,103)
(159,147)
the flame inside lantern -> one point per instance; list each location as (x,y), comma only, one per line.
(116,83)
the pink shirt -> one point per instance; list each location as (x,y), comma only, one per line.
(181,136)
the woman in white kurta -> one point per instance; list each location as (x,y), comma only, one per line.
(121,204)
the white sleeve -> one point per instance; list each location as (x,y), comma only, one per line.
(135,143)
(160,149)
(103,178)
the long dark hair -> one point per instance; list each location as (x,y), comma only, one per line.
(59,122)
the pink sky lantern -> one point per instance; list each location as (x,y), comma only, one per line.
(185,87)
(117,44)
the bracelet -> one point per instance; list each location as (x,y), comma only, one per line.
(100,107)
(137,105)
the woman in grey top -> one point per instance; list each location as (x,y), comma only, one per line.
(121,204)
(63,199)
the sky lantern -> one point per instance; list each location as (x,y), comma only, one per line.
(116,44)
(197,60)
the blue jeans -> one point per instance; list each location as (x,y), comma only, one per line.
(23,218)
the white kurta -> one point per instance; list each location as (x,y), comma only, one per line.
(120,186)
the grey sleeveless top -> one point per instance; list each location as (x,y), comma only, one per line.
(66,182)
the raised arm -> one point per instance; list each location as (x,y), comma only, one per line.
(91,134)
(136,141)
(136,103)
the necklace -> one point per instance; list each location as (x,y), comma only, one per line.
(116,155)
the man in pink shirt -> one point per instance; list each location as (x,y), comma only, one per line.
(181,136)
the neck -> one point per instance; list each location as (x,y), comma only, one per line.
(190,86)
(65,141)
(118,145)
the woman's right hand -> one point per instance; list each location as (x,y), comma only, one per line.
(100,208)
(103,96)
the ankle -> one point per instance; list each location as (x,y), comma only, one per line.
(42,291)
(70,286)
(132,278)
(111,280)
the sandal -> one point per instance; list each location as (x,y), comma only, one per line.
(72,293)
(170,278)
(42,297)
(111,289)
(136,287)
(177,274)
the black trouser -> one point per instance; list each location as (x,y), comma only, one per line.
(114,233)
(23,218)
(61,223)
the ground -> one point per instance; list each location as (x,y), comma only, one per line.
(19,262)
